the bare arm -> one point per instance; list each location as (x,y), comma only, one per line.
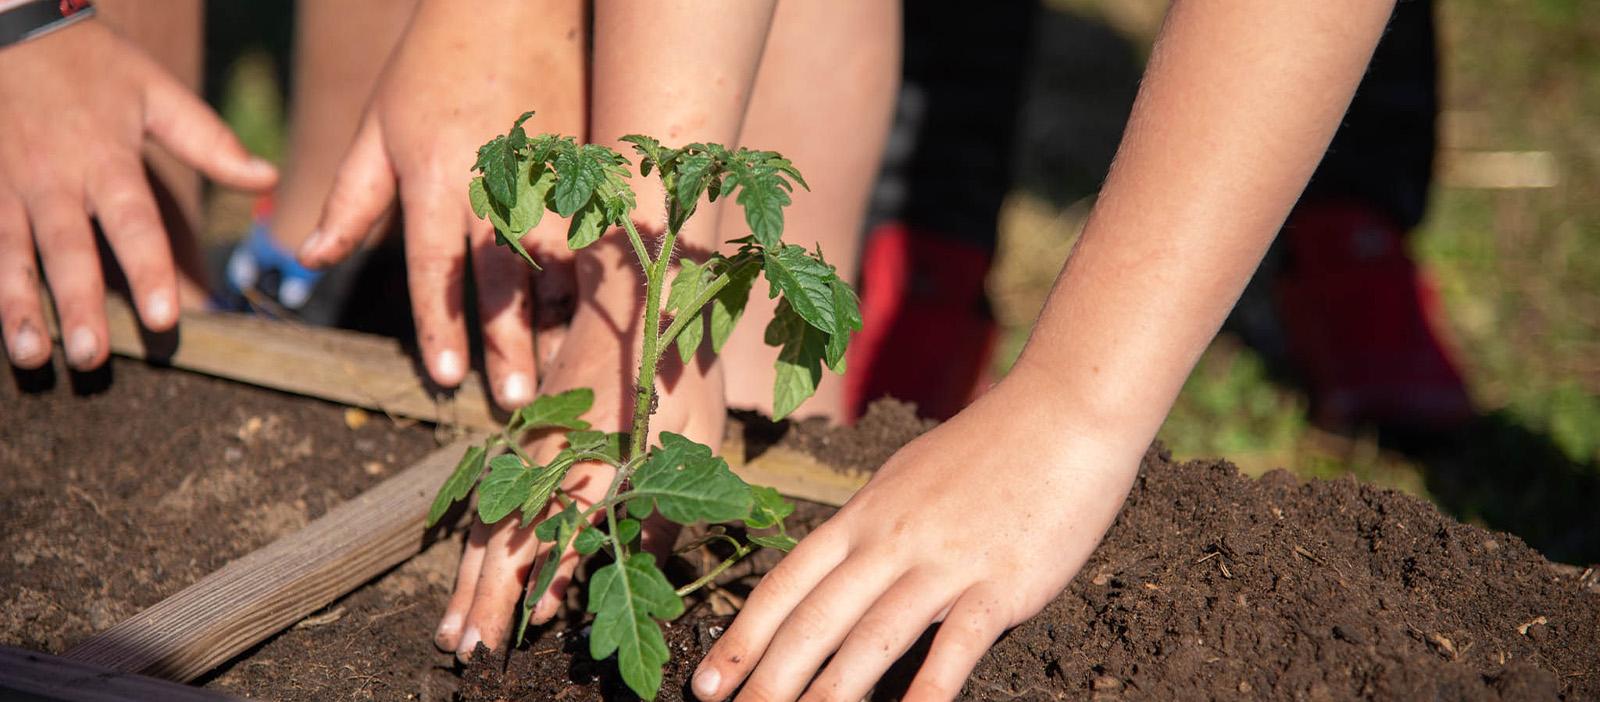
(1238,103)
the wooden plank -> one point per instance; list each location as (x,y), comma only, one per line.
(30,675)
(264,592)
(370,371)
(362,370)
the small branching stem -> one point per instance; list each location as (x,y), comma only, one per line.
(741,552)
(691,311)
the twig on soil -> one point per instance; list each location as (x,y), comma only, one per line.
(86,497)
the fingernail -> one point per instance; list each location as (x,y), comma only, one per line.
(26,343)
(158,309)
(82,346)
(312,243)
(469,641)
(706,682)
(260,166)
(516,390)
(448,365)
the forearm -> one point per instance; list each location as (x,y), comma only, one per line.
(1237,106)
(680,72)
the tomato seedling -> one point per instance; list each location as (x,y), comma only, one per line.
(520,177)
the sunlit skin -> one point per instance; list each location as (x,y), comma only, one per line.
(444,92)
(78,107)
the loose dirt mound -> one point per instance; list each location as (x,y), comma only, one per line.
(1211,584)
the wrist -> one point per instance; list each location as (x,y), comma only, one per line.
(1075,406)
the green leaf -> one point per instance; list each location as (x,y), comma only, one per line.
(763,197)
(728,306)
(505,488)
(799,365)
(558,530)
(626,599)
(531,190)
(628,530)
(544,484)
(577,174)
(803,281)
(478,197)
(768,508)
(688,485)
(694,171)
(497,160)
(458,485)
(608,444)
(482,206)
(587,226)
(781,542)
(588,541)
(562,410)
(687,285)
(847,315)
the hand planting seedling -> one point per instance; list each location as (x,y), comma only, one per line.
(520,177)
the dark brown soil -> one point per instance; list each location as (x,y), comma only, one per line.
(1208,585)
(113,499)
(1214,585)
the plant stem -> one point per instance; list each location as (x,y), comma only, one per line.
(741,552)
(650,354)
(639,249)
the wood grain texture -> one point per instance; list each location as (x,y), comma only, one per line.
(362,370)
(365,370)
(267,590)
(30,675)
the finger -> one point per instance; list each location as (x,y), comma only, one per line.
(72,269)
(975,621)
(435,261)
(183,123)
(816,627)
(448,636)
(505,304)
(736,653)
(510,553)
(888,630)
(127,213)
(362,192)
(21,316)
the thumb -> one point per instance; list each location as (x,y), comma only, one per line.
(187,127)
(363,190)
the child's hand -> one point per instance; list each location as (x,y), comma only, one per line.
(77,108)
(445,91)
(601,351)
(978,524)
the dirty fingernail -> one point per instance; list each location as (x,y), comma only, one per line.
(26,343)
(469,641)
(448,628)
(517,389)
(82,346)
(158,309)
(448,366)
(706,682)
